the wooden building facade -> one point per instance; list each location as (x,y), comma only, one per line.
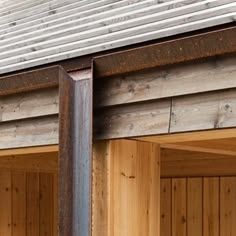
(118,118)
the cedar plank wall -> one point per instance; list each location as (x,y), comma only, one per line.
(201,206)
(28,195)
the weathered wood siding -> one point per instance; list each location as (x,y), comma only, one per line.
(186,97)
(59,30)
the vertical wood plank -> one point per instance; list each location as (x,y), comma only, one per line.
(46,206)
(179,207)
(18,203)
(194,206)
(32,207)
(211,207)
(5,204)
(166,226)
(134,188)
(100,191)
(55,201)
(227,206)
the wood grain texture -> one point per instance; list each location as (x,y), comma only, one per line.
(132,120)
(182,163)
(19,204)
(100,191)
(228,206)
(166,207)
(179,207)
(194,206)
(157,83)
(206,111)
(211,212)
(134,188)
(32,198)
(5,204)
(33,163)
(29,105)
(46,204)
(210,206)
(28,133)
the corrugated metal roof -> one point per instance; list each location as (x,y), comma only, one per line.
(39,32)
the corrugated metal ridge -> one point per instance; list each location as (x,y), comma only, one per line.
(95,27)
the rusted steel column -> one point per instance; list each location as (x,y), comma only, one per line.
(75,150)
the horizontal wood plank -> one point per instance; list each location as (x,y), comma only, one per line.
(181,163)
(215,74)
(204,111)
(32,132)
(45,162)
(132,120)
(28,105)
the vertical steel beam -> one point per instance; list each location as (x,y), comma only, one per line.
(75,141)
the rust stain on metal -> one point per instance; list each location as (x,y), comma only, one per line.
(28,81)
(203,45)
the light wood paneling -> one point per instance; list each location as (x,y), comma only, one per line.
(100,191)
(194,207)
(179,208)
(5,204)
(210,206)
(46,206)
(27,202)
(32,198)
(18,207)
(129,174)
(228,206)
(166,206)
(181,163)
(45,162)
(134,188)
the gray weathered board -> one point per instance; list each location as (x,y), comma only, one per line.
(59,30)
(187,97)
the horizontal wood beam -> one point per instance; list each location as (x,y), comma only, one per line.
(157,83)
(29,150)
(191,136)
(168,52)
(181,163)
(34,162)
(200,149)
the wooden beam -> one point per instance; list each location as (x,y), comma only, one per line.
(191,136)
(132,120)
(75,147)
(204,111)
(157,83)
(29,132)
(36,162)
(196,148)
(182,163)
(29,150)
